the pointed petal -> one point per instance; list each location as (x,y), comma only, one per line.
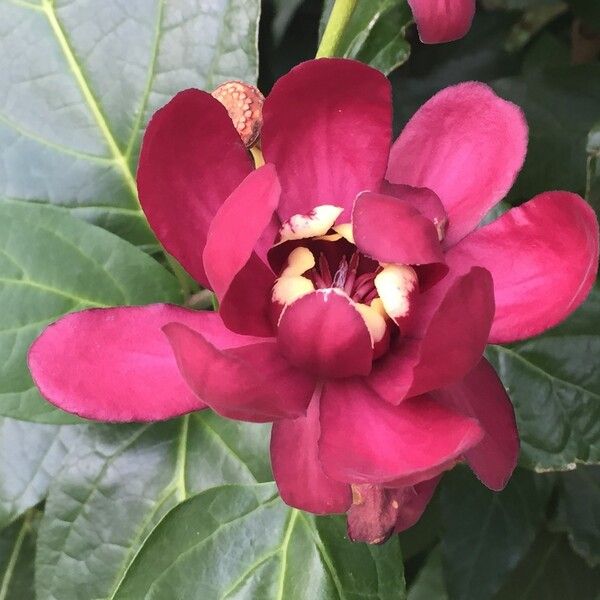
(192,158)
(240,279)
(115,364)
(482,396)
(453,342)
(298,472)
(441,21)
(467,145)
(250,383)
(391,230)
(322,116)
(543,257)
(364,439)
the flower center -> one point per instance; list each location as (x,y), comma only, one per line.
(360,288)
(315,254)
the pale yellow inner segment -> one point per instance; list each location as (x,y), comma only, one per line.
(374,317)
(315,224)
(345,230)
(394,285)
(291,285)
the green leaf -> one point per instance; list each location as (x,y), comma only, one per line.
(375,34)
(516,4)
(551,571)
(561,105)
(580,506)
(243,542)
(30,456)
(429,583)
(119,481)
(554,383)
(79,81)
(51,264)
(592,187)
(487,533)
(17,552)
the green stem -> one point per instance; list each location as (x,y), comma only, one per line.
(181,275)
(340,15)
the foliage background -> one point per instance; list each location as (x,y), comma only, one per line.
(186,508)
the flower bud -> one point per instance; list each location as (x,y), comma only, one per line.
(244,104)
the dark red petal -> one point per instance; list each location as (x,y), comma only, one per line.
(367,440)
(391,230)
(241,280)
(191,159)
(327,128)
(453,342)
(251,383)
(481,395)
(543,257)
(298,472)
(246,306)
(467,145)
(424,200)
(324,334)
(414,501)
(116,364)
(442,20)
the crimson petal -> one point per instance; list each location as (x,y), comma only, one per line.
(249,383)
(442,20)
(454,338)
(192,158)
(321,118)
(481,395)
(467,145)
(323,333)
(298,472)
(543,257)
(115,364)
(391,230)
(367,440)
(240,279)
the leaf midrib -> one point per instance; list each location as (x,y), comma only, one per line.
(547,375)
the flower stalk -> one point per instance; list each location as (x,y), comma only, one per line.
(340,15)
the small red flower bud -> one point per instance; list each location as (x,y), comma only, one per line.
(244,104)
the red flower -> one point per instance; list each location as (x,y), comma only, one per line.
(442,20)
(356,294)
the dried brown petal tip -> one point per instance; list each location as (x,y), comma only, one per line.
(244,104)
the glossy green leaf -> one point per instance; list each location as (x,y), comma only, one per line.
(554,383)
(429,583)
(17,552)
(376,33)
(487,533)
(52,264)
(551,571)
(593,168)
(579,505)
(31,454)
(243,542)
(79,80)
(120,480)
(561,105)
